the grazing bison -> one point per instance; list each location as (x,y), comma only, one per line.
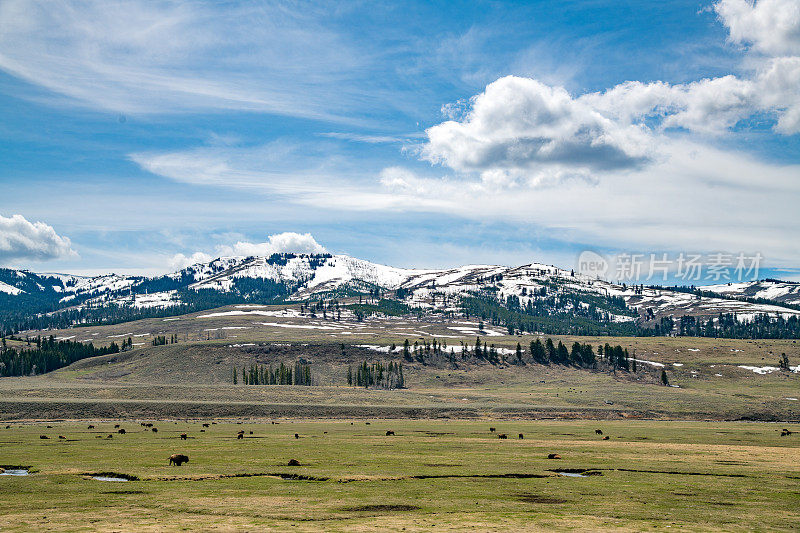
(598,431)
(178,459)
(492,430)
(110,436)
(296,436)
(183,436)
(116,426)
(502,436)
(43,437)
(367,423)
(521,436)
(62,437)
(554,456)
(154,430)
(251,432)
(205,425)
(606,437)
(90,426)
(785,432)
(240,435)
(389,433)
(49,427)
(121,431)
(294,462)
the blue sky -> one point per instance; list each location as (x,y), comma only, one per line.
(414,134)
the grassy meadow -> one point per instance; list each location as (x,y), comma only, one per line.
(440,474)
(703,454)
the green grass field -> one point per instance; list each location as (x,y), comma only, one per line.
(440,474)
(690,456)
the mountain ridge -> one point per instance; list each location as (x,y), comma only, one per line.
(298,277)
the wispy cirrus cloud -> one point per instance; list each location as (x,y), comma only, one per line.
(167,57)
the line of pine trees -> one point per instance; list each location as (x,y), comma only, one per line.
(376,375)
(580,355)
(282,375)
(43,355)
(161,340)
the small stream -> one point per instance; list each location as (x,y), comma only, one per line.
(15,472)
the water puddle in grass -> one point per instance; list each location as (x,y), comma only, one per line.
(576,472)
(111,476)
(15,472)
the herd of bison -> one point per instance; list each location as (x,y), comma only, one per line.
(177,459)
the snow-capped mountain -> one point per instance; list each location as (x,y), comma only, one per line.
(784,292)
(302,276)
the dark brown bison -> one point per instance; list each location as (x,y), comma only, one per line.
(110,436)
(785,432)
(389,433)
(240,435)
(296,436)
(554,456)
(606,437)
(521,436)
(178,459)
(62,437)
(205,425)
(502,436)
(492,430)
(154,430)
(43,437)
(598,431)
(121,431)
(116,426)
(294,462)
(90,426)
(49,427)
(183,436)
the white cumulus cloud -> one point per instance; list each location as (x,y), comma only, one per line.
(181,261)
(523,124)
(770,26)
(23,240)
(286,242)
(520,130)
